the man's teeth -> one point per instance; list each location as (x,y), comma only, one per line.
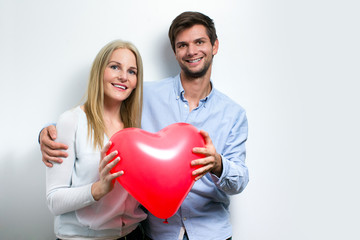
(120,86)
(196,60)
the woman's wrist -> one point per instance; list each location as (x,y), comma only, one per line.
(96,191)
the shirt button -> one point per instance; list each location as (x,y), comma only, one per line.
(184,218)
(185,105)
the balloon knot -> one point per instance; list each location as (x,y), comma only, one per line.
(166,221)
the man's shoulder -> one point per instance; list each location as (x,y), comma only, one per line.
(226,101)
(159,88)
(165,82)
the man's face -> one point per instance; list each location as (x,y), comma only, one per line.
(194,52)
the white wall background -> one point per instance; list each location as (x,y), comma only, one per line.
(294,66)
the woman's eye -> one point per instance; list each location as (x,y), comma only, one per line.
(132,72)
(115,67)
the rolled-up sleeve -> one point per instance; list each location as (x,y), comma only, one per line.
(235,175)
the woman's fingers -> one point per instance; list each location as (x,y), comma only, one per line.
(105,160)
(105,149)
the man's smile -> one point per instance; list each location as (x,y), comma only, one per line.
(194,60)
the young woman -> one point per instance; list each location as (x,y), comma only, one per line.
(81,192)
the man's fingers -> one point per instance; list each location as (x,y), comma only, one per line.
(50,159)
(47,141)
(203,161)
(198,150)
(206,136)
(200,176)
(202,170)
(52,132)
(206,165)
(55,145)
(53,153)
(47,163)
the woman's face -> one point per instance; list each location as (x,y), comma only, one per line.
(120,75)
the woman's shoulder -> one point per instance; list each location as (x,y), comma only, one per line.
(71,117)
(71,113)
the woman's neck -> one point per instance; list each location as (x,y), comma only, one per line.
(112,118)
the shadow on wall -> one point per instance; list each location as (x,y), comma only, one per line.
(168,64)
(23,210)
(75,89)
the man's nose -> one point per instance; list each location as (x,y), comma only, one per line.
(191,50)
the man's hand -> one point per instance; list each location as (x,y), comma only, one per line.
(211,162)
(51,151)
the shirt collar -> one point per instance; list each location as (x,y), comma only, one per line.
(179,90)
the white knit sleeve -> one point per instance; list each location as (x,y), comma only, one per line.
(61,196)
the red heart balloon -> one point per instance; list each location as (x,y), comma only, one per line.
(157,170)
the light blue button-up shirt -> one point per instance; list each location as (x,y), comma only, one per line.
(205,211)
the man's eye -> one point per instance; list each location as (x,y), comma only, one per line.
(200,42)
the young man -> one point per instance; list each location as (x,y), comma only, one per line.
(190,97)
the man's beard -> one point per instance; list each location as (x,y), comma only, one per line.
(190,74)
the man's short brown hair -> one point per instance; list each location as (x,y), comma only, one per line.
(188,19)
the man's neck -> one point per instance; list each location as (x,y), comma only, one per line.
(195,89)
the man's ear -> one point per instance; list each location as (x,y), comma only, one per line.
(215,47)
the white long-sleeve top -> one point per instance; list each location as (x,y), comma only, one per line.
(68,189)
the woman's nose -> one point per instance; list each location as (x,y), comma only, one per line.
(123,76)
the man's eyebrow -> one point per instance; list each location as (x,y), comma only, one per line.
(179,43)
(195,40)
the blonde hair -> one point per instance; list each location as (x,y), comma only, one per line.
(131,107)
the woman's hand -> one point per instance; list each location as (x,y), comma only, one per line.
(107,180)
